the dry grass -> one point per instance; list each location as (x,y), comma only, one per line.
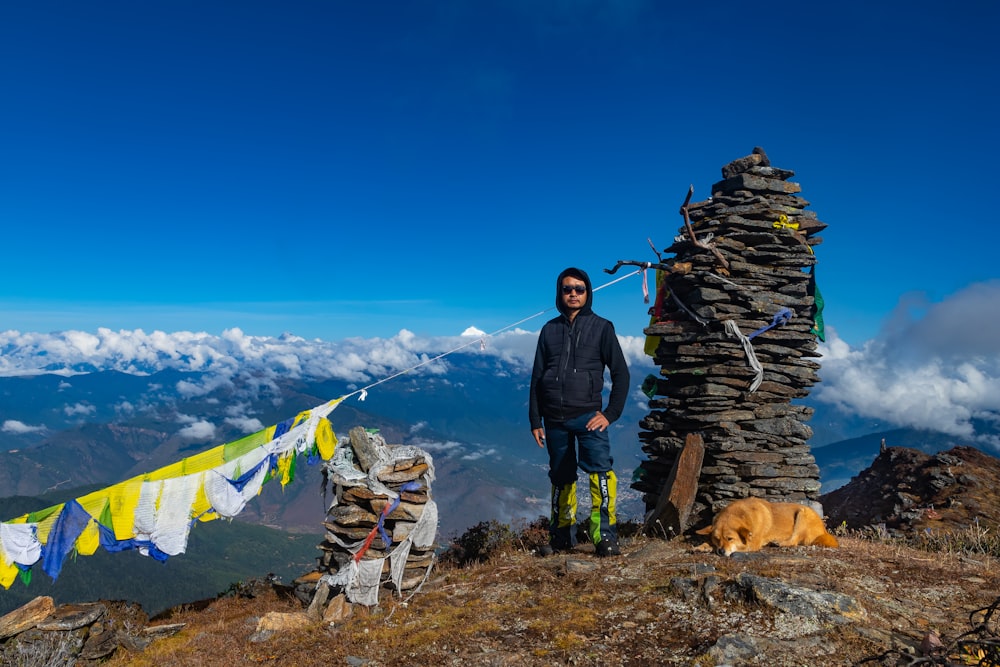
(975,541)
(517,609)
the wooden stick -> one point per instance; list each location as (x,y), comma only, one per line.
(690,230)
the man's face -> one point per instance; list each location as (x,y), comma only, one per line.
(574,293)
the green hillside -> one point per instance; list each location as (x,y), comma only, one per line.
(219,553)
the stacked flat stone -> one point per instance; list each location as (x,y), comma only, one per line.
(361,498)
(755,442)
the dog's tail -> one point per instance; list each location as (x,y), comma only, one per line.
(826,540)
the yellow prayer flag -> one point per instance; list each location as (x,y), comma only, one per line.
(45,524)
(123,498)
(8,572)
(201,505)
(326,439)
(89,539)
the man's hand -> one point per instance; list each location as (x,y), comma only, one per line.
(598,422)
(539,434)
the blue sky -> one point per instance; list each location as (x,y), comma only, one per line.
(347,169)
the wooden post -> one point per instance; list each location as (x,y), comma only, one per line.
(677,497)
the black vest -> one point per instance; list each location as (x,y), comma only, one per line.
(573,374)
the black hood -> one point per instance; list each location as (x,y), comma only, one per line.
(580,274)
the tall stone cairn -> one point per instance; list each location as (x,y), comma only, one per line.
(753,257)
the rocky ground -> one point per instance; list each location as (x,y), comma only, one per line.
(659,603)
(875,600)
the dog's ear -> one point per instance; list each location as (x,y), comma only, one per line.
(707,530)
(745,534)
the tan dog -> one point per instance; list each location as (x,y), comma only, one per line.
(749,524)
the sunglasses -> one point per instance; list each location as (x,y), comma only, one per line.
(569,289)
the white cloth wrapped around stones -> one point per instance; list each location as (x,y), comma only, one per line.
(382,523)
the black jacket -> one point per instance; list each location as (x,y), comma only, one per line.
(568,375)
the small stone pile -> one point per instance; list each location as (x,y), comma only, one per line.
(381,525)
(737,323)
(42,633)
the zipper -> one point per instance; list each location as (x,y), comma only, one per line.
(564,369)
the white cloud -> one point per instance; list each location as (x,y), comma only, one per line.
(474,456)
(632,347)
(198,430)
(245,424)
(237,409)
(238,415)
(81,409)
(637,396)
(19,428)
(204,386)
(437,447)
(934,366)
(266,359)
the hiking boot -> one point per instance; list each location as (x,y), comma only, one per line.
(545,551)
(553,547)
(607,548)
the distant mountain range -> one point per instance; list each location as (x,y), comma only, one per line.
(95,429)
(63,436)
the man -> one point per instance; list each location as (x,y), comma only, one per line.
(565,411)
